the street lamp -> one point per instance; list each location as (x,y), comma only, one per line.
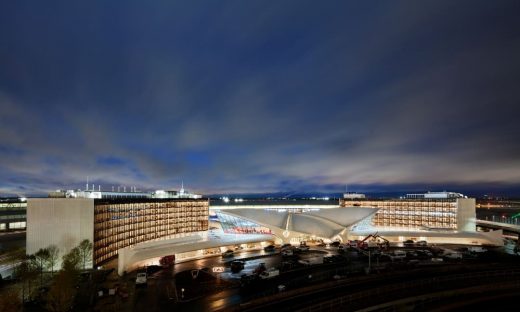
(182,293)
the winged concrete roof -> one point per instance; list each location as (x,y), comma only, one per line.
(320,222)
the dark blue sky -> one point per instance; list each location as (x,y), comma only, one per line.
(259,96)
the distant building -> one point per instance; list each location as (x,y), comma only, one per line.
(435,195)
(13,214)
(351,195)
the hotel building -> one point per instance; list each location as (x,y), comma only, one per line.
(111,223)
(433,211)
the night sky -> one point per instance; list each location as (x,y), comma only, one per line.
(260,96)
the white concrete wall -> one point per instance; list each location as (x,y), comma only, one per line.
(130,258)
(466,215)
(63,222)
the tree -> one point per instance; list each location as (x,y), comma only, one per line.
(61,295)
(26,272)
(41,258)
(54,253)
(71,260)
(85,251)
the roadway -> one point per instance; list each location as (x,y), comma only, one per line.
(369,291)
(499,225)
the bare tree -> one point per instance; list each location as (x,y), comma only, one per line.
(54,254)
(41,258)
(85,251)
(26,272)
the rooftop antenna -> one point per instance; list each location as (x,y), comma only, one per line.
(182,187)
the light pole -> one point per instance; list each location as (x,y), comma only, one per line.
(182,293)
(369,260)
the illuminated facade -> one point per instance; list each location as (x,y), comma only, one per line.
(123,223)
(111,224)
(234,225)
(292,223)
(442,213)
(13,214)
(435,218)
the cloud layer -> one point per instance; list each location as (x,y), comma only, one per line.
(258,96)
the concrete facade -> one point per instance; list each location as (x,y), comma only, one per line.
(63,222)
(466,215)
(131,258)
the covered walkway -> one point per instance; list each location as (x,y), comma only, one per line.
(130,257)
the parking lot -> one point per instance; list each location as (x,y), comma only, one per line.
(210,283)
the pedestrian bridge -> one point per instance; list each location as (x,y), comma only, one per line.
(499,226)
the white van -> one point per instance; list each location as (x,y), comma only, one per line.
(141,279)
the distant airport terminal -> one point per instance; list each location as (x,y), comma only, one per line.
(128,229)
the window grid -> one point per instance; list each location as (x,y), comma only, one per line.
(412,214)
(119,225)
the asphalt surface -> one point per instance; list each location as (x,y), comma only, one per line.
(223,291)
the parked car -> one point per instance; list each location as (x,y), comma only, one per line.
(311,261)
(408,242)
(452,256)
(260,269)
(398,255)
(423,254)
(422,243)
(287,265)
(335,244)
(284,246)
(237,266)
(228,253)
(477,249)
(287,252)
(303,247)
(269,248)
(410,254)
(272,272)
(151,269)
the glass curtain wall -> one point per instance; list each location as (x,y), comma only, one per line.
(234,225)
(122,224)
(413,214)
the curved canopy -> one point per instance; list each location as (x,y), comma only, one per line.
(322,222)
